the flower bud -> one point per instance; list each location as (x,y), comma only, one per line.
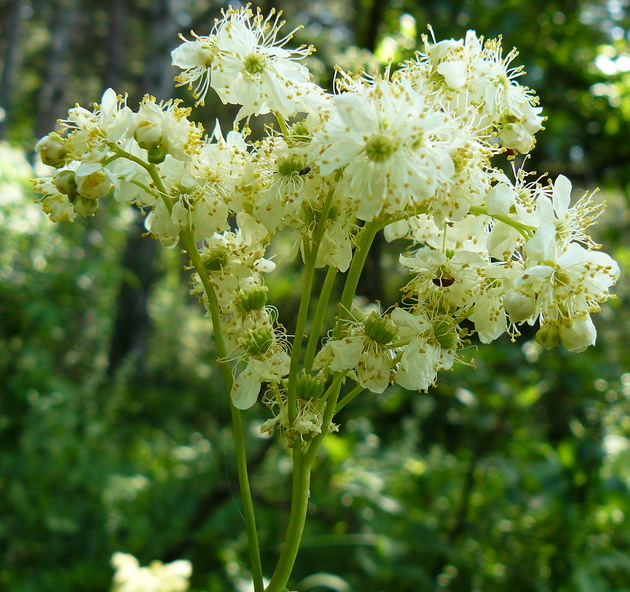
(94,185)
(156,155)
(253,298)
(519,306)
(52,150)
(379,329)
(85,206)
(148,135)
(65,182)
(548,336)
(516,137)
(577,334)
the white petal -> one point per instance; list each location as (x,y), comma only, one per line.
(454,73)
(561,195)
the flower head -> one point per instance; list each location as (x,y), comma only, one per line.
(245,60)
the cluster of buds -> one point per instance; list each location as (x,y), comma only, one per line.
(72,189)
(411,152)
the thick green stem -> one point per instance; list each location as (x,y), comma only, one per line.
(318,319)
(237,420)
(297,519)
(302,464)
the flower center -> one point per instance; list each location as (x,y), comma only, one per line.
(256,342)
(254,63)
(379,148)
(216,259)
(379,329)
(290,164)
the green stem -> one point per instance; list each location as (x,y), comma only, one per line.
(526,231)
(356,267)
(237,420)
(307,285)
(355,392)
(283,124)
(297,519)
(302,464)
(329,412)
(318,319)
(150,168)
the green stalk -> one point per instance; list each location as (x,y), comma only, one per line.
(356,267)
(526,231)
(283,124)
(307,286)
(355,392)
(237,420)
(318,319)
(329,412)
(302,464)
(297,519)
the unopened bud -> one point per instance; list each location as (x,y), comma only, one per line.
(85,207)
(65,182)
(148,135)
(52,150)
(548,336)
(577,334)
(156,155)
(519,306)
(95,185)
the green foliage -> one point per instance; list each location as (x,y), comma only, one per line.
(514,476)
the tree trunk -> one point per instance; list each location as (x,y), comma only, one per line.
(115,66)
(52,102)
(11,63)
(132,323)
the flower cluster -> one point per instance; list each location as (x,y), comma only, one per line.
(412,152)
(157,577)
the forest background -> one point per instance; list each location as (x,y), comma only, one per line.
(114,432)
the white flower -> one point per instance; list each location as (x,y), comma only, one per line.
(265,361)
(392,144)
(195,59)
(453,277)
(365,349)
(180,137)
(156,577)
(425,353)
(567,285)
(577,334)
(247,64)
(568,222)
(90,132)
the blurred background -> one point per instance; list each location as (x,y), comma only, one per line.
(114,432)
